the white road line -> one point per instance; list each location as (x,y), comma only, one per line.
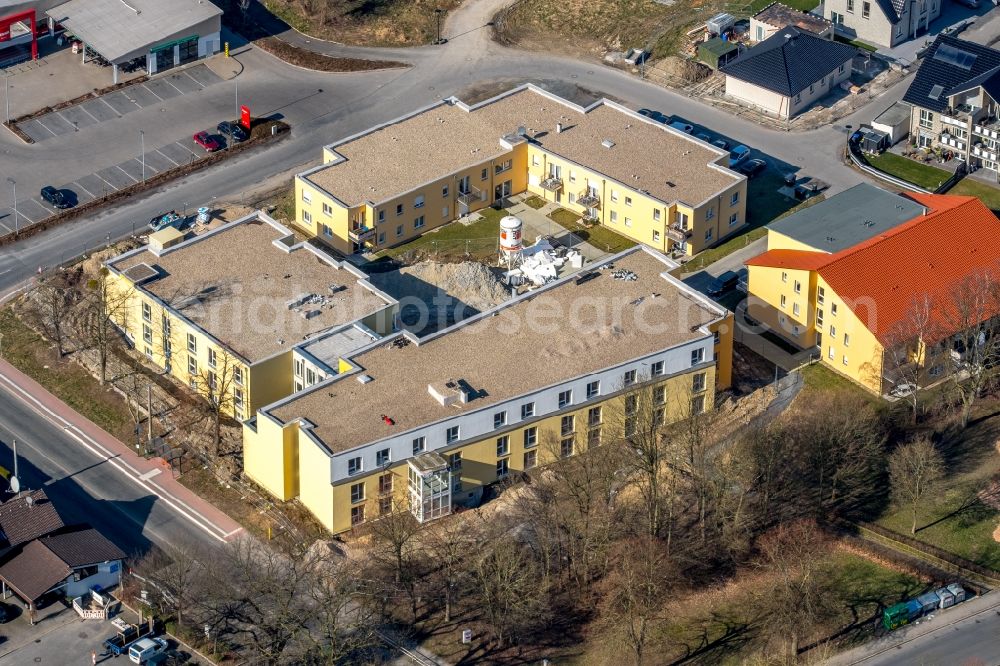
(167,157)
(196,81)
(80,185)
(9,230)
(20,213)
(134,180)
(148,89)
(84,109)
(113,109)
(39,121)
(68,121)
(173,86)
(150,474)
(113,459)
(113,188)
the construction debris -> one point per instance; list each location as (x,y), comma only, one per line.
(541,263)
(625,275)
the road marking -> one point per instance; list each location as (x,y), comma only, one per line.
(77,183)
(126,173)
(9,230)
(166,157)
(113,109)
(39,121)
(84,109)
(108,182)
(173,86)
(151,92)
(113,459)
(201,86)
(69,122)
(150,474)
(20,213)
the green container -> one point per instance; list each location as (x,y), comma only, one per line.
(895,616)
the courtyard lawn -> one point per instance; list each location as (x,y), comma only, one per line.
(597,235)
(454,241)
(988,194)
(911,171)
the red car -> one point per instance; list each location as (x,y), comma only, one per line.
(206,141)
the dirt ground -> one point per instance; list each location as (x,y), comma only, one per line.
(363,22)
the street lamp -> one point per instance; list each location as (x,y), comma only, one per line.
(142,151)
(6,93)
(438,13)
(13,188)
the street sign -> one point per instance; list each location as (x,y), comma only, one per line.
(467,635)
(208,631)
(245,116)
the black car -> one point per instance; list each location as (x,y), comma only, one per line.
(234,130)
(54,197)
(751,168)
(654,115)
(6,614)
(723,283)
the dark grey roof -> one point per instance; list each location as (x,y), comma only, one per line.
(849,218)
(934,71)
(891,8)
(789,61)
(82,546)
(27,517)
(894,115)
(34,571)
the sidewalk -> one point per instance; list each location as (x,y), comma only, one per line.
(897,640)
(154,474)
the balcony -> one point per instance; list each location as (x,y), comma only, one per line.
(988,127)
(588,199)
(960,115)
(552,184)
(679,234)
(947,139)
(984,152)
(471,196)
(361,234)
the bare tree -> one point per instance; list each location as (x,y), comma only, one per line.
(914,470)
(394,539)
(52,310)
(446,544)
(510,591)
(970,312)
(902,348)
(104,312)
(176,577)
(217,384)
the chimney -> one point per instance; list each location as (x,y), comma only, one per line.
(559,128)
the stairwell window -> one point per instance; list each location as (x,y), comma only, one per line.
(698,382)
(593,389)
(147,334)
(656,369)
(238,376)
(192,343)
(926,119)
(567,425)
(419,444)
(503,445)
(820,295)
(527,410)
(866,9)
(147,312)
(594,417)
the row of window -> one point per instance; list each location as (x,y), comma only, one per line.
(192,346)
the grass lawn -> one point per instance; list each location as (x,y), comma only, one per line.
(856,42)
(598,235)
(918,173)
(35,357)
(454,241)
(535,202)
(820,378)
(989,194)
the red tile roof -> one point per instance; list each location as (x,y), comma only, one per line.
(881,278)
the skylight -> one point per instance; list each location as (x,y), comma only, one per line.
(947,53)
(936,91)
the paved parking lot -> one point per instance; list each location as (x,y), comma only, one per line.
(159,90)
(33,209)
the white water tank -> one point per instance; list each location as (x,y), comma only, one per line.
(511,229)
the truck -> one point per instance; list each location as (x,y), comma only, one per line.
(144,649)
(120,642)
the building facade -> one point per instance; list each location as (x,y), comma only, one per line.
(429,422)
(882,22)
(646,181)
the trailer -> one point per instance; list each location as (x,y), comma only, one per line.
(120,642)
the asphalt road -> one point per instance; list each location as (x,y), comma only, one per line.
(86,488)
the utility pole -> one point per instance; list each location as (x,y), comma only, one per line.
(13,187)
(149,414)
(437,13)
(6,94)
(142,151)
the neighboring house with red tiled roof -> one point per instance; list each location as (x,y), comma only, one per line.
(867,279)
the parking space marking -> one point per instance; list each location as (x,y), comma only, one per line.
(108,182)
(131,177)
(80,186)
(197,82)
(105,102)
(167,81)
(44,126)
(71,123)
(9,230)
(85,110)
(170,159)
(49,208)
(150,91)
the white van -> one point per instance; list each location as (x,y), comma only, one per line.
(145,648)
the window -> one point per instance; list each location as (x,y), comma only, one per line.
(566,447)
(238,400)
(660,395)
(850,6)
(820,295)
(593,389)
(593,417)
(381,237)
(307,196)
(830,353)
(399,230)
(681,219)
(840,70)
(530,437)
(716,337)
(656,214)
(147,333)
(444,192)
(445,212)
(572,198)
(833,309)
(503,445)
(212,358)
(811,86)
(798,98)
(866,10)
(357,492)
(381,216)
(238,376)
(382,457)
(628,221)
(534,160)
(798,287)
(354,465)
(734,199)
(192,343)
(452,434)
(833,332)
(819,318)
(307,217)
(926,119)
(698,382)
(399,209)
(419,222)
(455,461)
(698,404)
(697,356)
(784,300)
(192,365)
(614,196)
(847,340)
(310,377)
(327,231)
(572,176)
(147,312)
(629,378)
(419,444)
(504,166)
(784,276)
(568,424)
(503,466)
(614,216)
(710,213)
(656,369)
(708,234)
(165,325)
(527,410)
(418,201)
(499,419)
(327,209)
(659,417)
(484,174)
(565,398)
(530,459)
(734,219)
(384,506)
(795,308)
(628,201)
(631,405)
(149,354)
(845,360)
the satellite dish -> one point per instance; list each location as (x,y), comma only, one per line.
(29,500)
(15,485)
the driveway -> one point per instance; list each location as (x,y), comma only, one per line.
(733,261)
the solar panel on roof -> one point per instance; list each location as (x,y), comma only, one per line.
(936,91)
(947,53)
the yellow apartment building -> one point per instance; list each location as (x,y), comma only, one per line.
(243,313)
(431,421)
(647,181)
(845,277)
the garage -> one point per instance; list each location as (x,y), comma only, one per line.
(154,34)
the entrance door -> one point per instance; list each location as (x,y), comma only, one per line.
(164,59)
(463,185)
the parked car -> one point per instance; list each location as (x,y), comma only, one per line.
(738,155)
(654,115)
(902,390)
(723,283)
(704,137)
(721,143)
(231,129)
(144,649)
(206,141)
(6,613)
(971,4)
(164,220)
(54,197)
(751,168)
(684,127)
